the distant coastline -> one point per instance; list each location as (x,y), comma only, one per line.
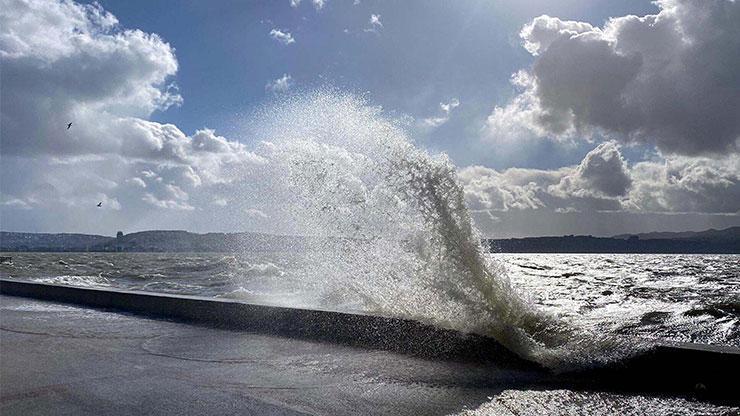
(725,241)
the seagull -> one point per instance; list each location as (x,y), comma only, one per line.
(100,204)
(69,125)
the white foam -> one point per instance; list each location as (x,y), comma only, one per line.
(566,402)
(394,228)
(75,280)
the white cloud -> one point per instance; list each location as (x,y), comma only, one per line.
(167,203)
(281,84)
(603,181)
(63,62)
(66,62)
(603,172)
(254,213)
(375,21)
(375,25)
(108,202)
(489,190)
(138,182)
(446,109)
(286,38)
(15,203)
(667,79)
(541,32)
(523,117)
(318,4)
(686,184)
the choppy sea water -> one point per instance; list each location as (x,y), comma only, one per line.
(686,298)
(566,402)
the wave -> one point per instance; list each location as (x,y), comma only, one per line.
(395,229)
(75,280)
(266,269)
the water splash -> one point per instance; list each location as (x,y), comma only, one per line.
(392,228)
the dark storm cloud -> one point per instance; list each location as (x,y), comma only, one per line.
(671,79)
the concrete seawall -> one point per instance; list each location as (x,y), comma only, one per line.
(697,370)
(392,334)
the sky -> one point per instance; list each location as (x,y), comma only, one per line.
(568,117)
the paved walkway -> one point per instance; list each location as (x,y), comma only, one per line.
(67,360)
(58,359)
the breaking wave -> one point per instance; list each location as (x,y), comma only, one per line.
(392,228)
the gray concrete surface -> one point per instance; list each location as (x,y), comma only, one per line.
(62,359)
(67,360)
(355,329)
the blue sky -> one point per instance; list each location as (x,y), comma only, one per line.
(425,53)
(561,117)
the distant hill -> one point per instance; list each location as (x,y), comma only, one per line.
(50,242)
(710,241)
(728,234)
(183,241)
(148,241)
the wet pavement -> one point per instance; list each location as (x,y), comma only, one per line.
(62,359)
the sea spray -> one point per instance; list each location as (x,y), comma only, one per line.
(390,228)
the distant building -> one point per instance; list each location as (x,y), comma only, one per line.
(119,243)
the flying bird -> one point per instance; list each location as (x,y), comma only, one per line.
(100,204)
(69,125)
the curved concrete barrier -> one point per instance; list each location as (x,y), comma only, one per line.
(702,371)
(401,335)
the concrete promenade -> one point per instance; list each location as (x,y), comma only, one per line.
(58,359)
(62,358)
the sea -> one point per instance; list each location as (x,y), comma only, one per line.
(651,297)
(660,297)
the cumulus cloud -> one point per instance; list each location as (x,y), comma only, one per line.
(15,203)
(286,38)
(138,182)
(489,190)
(255,213)
(176,202)
(281,84)
(375,25)
(66,62)
(685,184)
(318,4)
(63,62)
(604,181)
(668,79)
(446,109)
(523,118)
(603,172)
(375,21)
